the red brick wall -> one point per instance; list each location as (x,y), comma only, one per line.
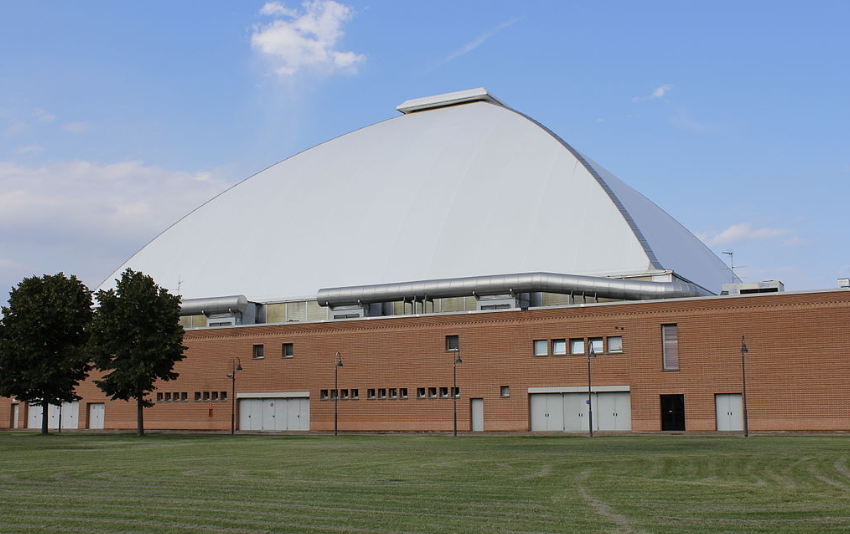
(797,368)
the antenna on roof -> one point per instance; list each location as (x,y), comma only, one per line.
(732,262)
(179,286)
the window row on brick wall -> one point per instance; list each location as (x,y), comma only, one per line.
(183,396)
(578,345)
(287,350)
(172,396)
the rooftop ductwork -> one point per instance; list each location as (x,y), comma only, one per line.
(613,288)
(214,305)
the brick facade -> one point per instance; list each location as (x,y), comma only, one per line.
(798,365)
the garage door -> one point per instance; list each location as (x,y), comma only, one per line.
(274,414)
(68,415)
(567,412)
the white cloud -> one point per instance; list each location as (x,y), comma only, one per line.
(305,39)
(659,92)
(276,8)
(29,149)
(76,127)
(472,45)
(744,232)
(86,218)
(43,116)
(16,127)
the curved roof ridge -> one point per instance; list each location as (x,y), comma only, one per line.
(650,254)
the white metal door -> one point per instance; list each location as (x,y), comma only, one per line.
(547,411)
(729,410)
(477,415)
(539,413)
(268,415)
(248,414)
(71,415)
(16,415)
(96,415)
(575,412)
(34,413)
(614,411)
(298,414)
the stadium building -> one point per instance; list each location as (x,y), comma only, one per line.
(461,265)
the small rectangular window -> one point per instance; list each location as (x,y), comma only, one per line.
(258,352)
(370,393)
(324,394)
(382,393)
(206,395)
(420,393)
(541,347)
(506,391)
(334,394)
(197,396)
(670,346)
(343,394)
(615,344)
(452,343)
(559,347)
(577,346)
(596,344)
(393,393)
(222,396)
(288,350)
(444,392)
(456,392)
(403,393)
(355,394)
(159,397)
(167,397)
(432,393)
(214,396)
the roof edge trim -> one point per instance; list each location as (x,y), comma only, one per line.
(448,99)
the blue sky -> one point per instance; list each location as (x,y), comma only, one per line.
(117,118)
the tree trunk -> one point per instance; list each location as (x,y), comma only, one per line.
(44,407)
(140,416)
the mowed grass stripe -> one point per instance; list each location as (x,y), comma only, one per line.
(423,484)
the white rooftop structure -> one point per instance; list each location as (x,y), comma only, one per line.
(459,185)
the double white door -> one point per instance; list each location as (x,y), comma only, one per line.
(274,414)
(568,412)
(730,412)
(68,415)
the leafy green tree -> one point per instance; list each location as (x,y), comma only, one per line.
(43,335)
(136,338)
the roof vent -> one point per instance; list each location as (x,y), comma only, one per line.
(448,99)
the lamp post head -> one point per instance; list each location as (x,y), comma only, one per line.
(339,363)
(591,353)
(457,359)
(238,366)
(744,348)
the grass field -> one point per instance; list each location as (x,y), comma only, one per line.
(423,484)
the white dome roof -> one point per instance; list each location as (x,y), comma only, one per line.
(468,189)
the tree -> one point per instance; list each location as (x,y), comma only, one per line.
(43,335)
(136,338)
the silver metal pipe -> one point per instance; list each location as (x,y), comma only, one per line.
(213,305)
(613,288)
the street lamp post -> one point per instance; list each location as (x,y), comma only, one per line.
(237,366)
(337,365)
(590,354)
(744,350)
(455,392)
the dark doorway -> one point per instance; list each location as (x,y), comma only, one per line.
(673,412)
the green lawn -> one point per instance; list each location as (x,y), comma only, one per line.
(423,484)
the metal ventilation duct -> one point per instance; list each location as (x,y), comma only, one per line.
(613,288)
(213,305)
